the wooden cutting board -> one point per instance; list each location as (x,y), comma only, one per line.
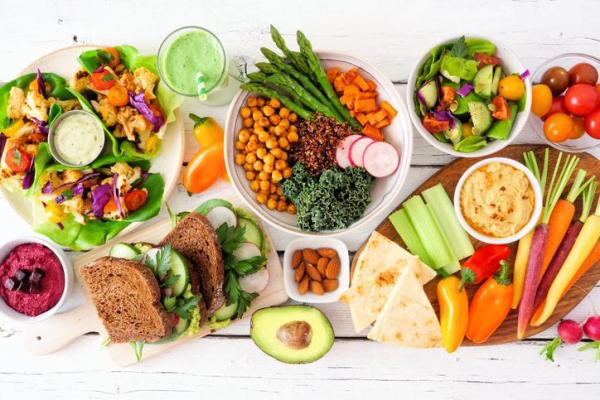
(448,177)
(62,329)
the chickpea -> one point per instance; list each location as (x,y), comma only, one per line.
(284,112)
(271,143)
(271,130)
(245,112)
(248,167)
(261,102)
(273,189)
(287,148)
(281,205)
(274,119)
(264,176)
(293,117)
(287,173)
(256,115)
(250,175)
(261,153)
(285,123)
(291,209)
(293,128)
(254,186)
(283,142)
(292,137)
(261,198)
(253,138)
(264,122)
(280,165)
(265,185)
(274,197)
(250,130)
(258,165)
(271,204)
(251,158)
(268,168)
(284,155)
(282,197)
(253,108)
(257,126)
(265,193)
(240,159)
(251,101)
(252,146)
(244,136)
(276,176)
(268,111)
(247,122)
(279,130)
(269,159)
(275,103)
(277,153)
(279,191)
(239,145)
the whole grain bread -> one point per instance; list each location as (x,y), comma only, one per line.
(127,299)
(195,238)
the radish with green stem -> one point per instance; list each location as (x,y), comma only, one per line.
(538,243)
(591,328)
(569,332)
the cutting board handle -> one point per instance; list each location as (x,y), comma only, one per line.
(61,329)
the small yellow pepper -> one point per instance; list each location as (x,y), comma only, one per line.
(207,131)
(153,145)
(12,130)
(454,312)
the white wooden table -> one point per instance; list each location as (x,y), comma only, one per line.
(391,35)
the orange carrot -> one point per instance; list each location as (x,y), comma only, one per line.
(561,217)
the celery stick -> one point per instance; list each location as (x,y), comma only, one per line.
(407,232)
(451,228)
(452,266)
(427,231)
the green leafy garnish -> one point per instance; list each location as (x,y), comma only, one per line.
(105,342)
(170,303)
(175,218)
(460,48)
(17,157)
(137,348)
(161,263)
(230,237)
(108,78)
(170,281)
(185,306)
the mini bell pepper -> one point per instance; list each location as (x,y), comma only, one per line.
(204,169)
(206,131)
(483,263)
(490,306)
(454,312)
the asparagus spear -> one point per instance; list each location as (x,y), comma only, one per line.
(258,77)
(267,68)
(295,57)
(273,94)
(285,82)
(278,62)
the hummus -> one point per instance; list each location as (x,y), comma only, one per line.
(28,257)
(497,200)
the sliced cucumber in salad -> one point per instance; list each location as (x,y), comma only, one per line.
(124,250)
(226,311)
(253,233)
(179,267)
(181,326)
(483,81)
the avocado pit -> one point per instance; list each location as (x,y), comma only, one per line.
(296,335)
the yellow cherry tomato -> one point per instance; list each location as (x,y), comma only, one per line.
(541,100)
(467,129)
(54,212)
(153,145)
(578,128)
(512,88)
(206,131)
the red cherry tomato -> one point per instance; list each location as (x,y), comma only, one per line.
(18,160)
(503,112)
(598,91)
(581,99)
(583,73)
(558,105)
(135,199)
(103,80)
(483,60)
(558,127)
(592,124)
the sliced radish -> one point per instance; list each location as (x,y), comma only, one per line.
(151,254)
(220,215)
(381,159)
(248,250)
(357,149)
(255,283)
(341,154)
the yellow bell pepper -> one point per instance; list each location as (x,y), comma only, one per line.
(207,131)
(55,213)
(153,145)
(454,312)
(12,130)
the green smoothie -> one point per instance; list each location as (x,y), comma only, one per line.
(191,52)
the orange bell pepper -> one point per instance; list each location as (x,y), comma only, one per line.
(204,169)
(490,305)
(454,312)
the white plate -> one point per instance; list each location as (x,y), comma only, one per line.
(383,191)
(64,63)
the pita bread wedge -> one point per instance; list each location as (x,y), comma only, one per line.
(377,269)
(408,319)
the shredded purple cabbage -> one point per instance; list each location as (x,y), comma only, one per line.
(3,139)
(85,178)
(41,84)
(116,196)
(60,199)
(422,99)
(465,90)
(29,176)
(445,116)
(438,83)
(141,181)
(139,103)
(100,198)
(525,74)
(42,125)
(47,189)
(78,189)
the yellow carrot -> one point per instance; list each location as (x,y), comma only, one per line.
(520,268)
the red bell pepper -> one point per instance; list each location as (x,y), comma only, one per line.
(483,263)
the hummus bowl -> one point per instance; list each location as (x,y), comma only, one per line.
(67,270)
(505,188)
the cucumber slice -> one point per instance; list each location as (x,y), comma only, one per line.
(205,207)
(483,81)
(496,80)
(179,267)
(226,311)
(181,326)
(124,250)
(429,92)
(253,233)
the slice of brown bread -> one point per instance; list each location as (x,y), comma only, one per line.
(127,298)
(195,286)
(195,238)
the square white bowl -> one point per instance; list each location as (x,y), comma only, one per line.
(291,287)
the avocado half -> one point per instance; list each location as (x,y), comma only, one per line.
(292,334)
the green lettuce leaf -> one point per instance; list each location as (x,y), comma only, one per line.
(456,68)
(130,150)
(91,60)
(480,46)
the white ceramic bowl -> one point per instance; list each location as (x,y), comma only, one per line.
(537,208)
(15,316)
(510,63)
(383,191)
(291,287)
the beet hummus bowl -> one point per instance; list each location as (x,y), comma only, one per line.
(35,279)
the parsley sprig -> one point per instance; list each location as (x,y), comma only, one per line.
(460,48)
(160,264)
(181,306)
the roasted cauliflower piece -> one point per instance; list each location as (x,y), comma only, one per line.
(133,122)
(36,106)
(67,105)
(72,175)
(108,112)
(128,81)
(16,101)
(145,80)
(80,81)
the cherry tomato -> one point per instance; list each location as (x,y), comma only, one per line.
(204,169)
(578,128)
(118,96)
(581,99)
(512,88)
(557,79)
(598,91)
(558,127)
(18,160)
(135,199)
(484,59)
(103,80)
(432,125)
(502,112)
(583,73)
(541,100)
(558,105)
(592,124)
(116,57)
(467,129)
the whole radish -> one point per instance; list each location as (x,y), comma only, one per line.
(591,328)
(569,332)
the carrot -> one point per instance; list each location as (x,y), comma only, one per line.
(366,105)
(391,111)
(372,86)
(371,118)
(380,115)
(349,76)
(332,73)
(383,123)
(338,84)
(351,90)
(362,84)
(362,118)
(373,133)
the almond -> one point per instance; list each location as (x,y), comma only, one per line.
(333,268)
(303,286)
(300,272)
(296,259)
(313,273)
(327,252)
(310,256)
(330,284)
(317,288)
(322,265)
